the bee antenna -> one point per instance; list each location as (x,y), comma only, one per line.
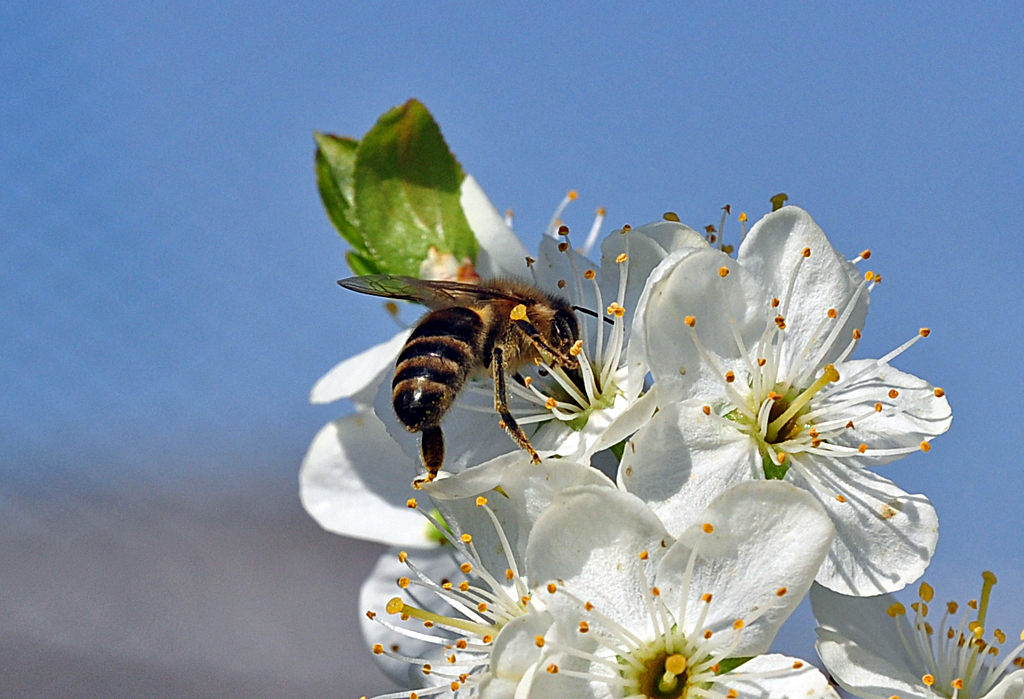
(592,314)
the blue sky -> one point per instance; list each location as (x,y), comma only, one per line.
(167,289)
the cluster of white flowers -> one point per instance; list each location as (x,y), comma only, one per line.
(742,437)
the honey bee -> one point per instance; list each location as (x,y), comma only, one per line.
(492,328)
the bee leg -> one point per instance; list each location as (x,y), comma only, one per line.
(501,406)
(432,450)
(526,327)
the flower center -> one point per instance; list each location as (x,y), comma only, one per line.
(663,676)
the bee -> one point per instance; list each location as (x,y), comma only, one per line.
(472,330)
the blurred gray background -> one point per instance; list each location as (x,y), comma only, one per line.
(167,292)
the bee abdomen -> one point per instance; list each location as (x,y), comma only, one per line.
(433,366)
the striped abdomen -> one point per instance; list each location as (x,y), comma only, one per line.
(434,365)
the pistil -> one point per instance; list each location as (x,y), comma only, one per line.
(800,401)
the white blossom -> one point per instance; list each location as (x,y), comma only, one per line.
(753,379)
(876,648)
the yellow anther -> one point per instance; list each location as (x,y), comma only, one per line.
(896,609)
(671,216)
(552,587)
(518,313)
(742,216)
(781,322)
(487,638)
(584,627)
(951,607)
(656,591)
(925,446)
(411,503)
(403,582)
(797,665)
(402,556)
(529,261)
(463,586)
(925,332)
(455,686)
(462,644)
(561,283)
(841,498)
(370,614)
(878,407)
(723,272)
(446,585)
(865,255)
(563,230)
(776,303)
(378,649)
(706,409)
(856,334)
(738,624)
(761,361)
(708,528)
(589,274)
(562,247)
(482,607)
(806,252)
(958,683)
(862,448)
(998,633)
(731,694)
(428,624)
(849,425)
(466,568)
(832,313)
(466,539)
(690,320)
(621,258)
(588,606)
(939,393)
(893,393)
(577,348)
(644,555)
(928,680)
(626,228)
(601,211)
(869,275)
(509,574)
(427,668)
(780,458)
(481,501)
(551,404)
(926,592)
(706,598)
(553,669)
(707,634)
(539,640)
(572,194)
(781,592)
(729,377)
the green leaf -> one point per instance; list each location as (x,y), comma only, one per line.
(407,192)
(361,265)
(335,164)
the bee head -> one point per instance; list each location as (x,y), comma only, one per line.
(565,330)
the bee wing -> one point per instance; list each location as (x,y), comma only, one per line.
(433,294)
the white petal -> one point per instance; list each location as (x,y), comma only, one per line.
(357,377)
(773,253)
(691,284)
(626,423)
(355,481)
(515,647)
(517,491)
(885,537)
(682,459)
(919,414)
(859,630)
(591,538)
(381,586)
(1010,687)
(800,680)
(501,252)
(764,538)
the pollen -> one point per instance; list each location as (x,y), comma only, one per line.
(622,257)
(690,320)
(708,528)
(462,644)
(865,255)
(518,313)
(958,683)
(411,503)
(656,591)
(577,348)
(723,272)
(616,309)
(708,634)
(589,606)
